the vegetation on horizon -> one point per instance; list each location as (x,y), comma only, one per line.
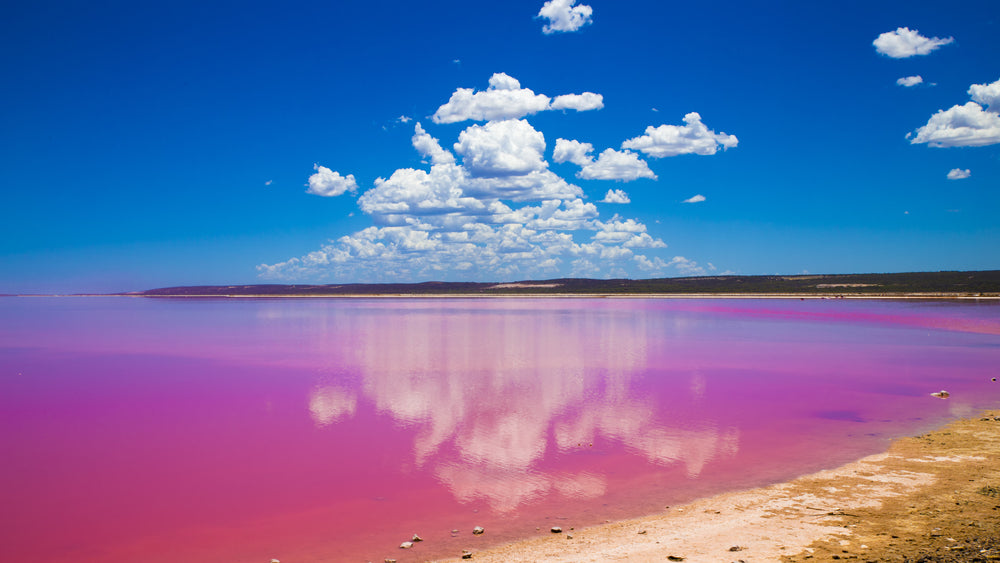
(963,283)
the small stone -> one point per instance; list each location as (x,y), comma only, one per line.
(466,554)
(942,394)
(406,545)
(556,530)
(478,530)
(275,561)
(642,532)
(569,536)
(674,558)
(390,560)
(416,538)
(737,548)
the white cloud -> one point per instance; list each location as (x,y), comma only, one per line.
(987,94)
(628,233)
(404,119)
(686,267)
(960,126)
(505,99)
(695,199)
(580,102)
(959,174)
(535,186)
(410,193)
(610,164)
(673,140)
(616,196)
(909,81)
(327,183)
(490,209)
(572,151)
(502,148)
(563,16)
(616,165)
(904,43)
(429,147)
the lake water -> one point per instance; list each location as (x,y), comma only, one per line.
(306,430)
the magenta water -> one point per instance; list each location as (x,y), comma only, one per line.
(334,429)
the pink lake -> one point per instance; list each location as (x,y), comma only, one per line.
(165,430)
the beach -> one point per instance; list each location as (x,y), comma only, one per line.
(933,497)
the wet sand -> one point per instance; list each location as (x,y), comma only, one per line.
(934,497)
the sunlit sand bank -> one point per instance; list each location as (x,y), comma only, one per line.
(936,495)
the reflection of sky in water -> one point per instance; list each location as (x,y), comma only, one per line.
(330,428)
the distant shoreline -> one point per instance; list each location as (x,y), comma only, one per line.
(792,296)
(592,296)
(907,285)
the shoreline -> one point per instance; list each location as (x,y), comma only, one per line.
(935,495)
(802,296)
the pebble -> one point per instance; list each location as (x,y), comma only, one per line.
(478,530)
(466,554)
(737,548)
(556,530)
(569,536)
(390,561)
(406,545)
(416,538)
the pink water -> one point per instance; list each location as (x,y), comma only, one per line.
(332,430)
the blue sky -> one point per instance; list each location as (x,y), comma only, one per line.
(155,144)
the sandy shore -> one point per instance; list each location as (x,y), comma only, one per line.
(934,497)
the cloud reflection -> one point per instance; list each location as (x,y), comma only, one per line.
(329,404)
(491,392)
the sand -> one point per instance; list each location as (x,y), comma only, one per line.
(934,497)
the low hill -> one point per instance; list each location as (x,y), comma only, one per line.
(929,283)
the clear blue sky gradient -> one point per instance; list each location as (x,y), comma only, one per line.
(150,144)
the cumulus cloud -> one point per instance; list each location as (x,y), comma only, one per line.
(959,174)
(327,183)
(904,43)
(686,267)
(987,94)
(502,148)
(616,196)
(563,16)
(429,147)
(489,209)
(673,140)
(616,165)
(412,193)
(610,164)
(695,199)
(580,102)
(965,126)
(909,81)
(572,151)
(534,186)
(506,99)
